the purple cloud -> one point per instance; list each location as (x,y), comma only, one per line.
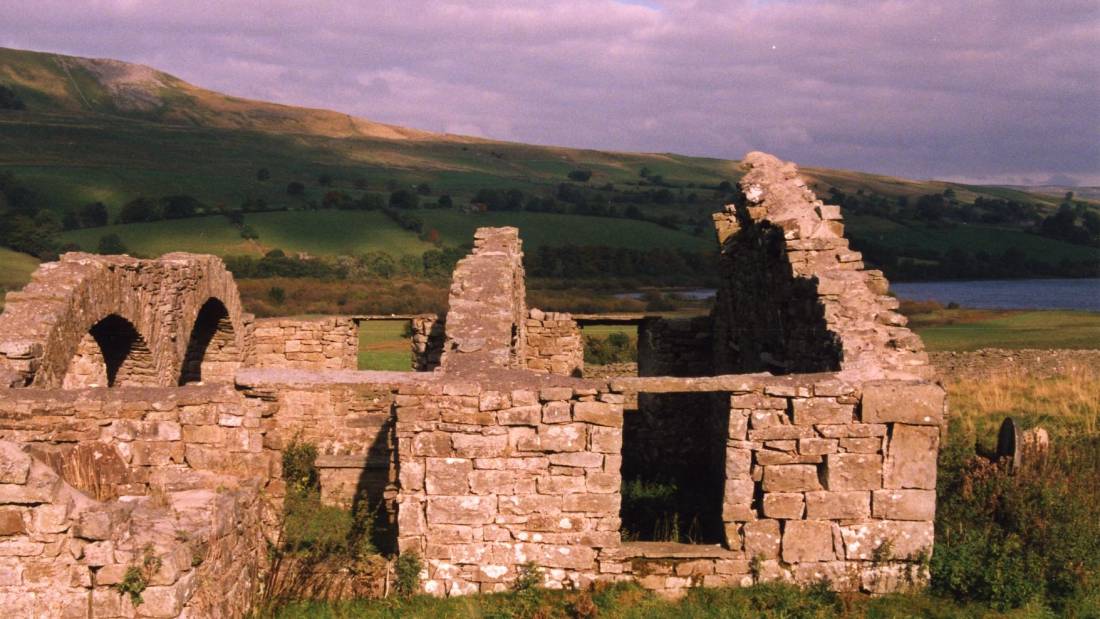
(988,90)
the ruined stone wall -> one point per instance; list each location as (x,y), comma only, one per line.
(350,420)
(125,441)
(487,307)
(554,344)
(676,347)
(327,343)
(62,554)
(828,478)
(427,342)
(794,297)
(825,477)
(158,301)
(493,476)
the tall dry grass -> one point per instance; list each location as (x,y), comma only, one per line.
(1067,405)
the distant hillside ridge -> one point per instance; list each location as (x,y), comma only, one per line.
(55,83)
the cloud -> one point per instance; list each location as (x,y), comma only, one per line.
(981,88)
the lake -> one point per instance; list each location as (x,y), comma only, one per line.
(1069,294)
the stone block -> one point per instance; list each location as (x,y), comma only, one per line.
(856,430)
(42,483)
(563,437)
(606,440)
(15,464)
(479,445)
(785,505)
(861,445)
(598,413)
(738,463)
(556,412)
(520,416)
(762,539)
(582,459)
(812,411)
(807,541)
(853,472)
(470,510)
(791,478)
(907,540)
(904,504)
(911,457)
(447,475)
(911,402)
(492,482)
(591,503)
(817,446)
(832,505)
(11,522)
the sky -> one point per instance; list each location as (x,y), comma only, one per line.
(984,91)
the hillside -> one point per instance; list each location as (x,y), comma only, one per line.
(111,132)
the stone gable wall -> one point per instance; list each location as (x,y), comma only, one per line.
(329,343)
(794,297)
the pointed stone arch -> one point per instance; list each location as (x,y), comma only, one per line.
(213,353)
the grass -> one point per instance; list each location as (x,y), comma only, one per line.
(15,271)
(627,601)
(383,345)
(1067,404)
(967,329)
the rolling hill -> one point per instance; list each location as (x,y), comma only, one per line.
(108,131)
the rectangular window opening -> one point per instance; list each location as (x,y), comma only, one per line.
(385,344)
(610,349)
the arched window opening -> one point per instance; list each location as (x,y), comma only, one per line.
(212,352)
(111,354)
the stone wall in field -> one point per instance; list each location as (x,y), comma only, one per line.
(327,343)
(554,344)
(676,346)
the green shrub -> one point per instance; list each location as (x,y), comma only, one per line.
(1013,539)
(407,568)
(133,583)
(615,348)
(299,468)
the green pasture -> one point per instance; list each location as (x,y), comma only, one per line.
(954,330)
(383,345)
(993,241)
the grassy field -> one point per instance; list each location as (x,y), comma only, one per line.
(15,271)
(383,345)
(324,233)
(966,329)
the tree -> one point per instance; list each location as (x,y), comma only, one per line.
(263,174)
(9,99)
(404,199)
(179,207)
(110,244)
(295,188)
(360,183)
(138,210)
(581,176)
(324,180)
(93,215)
(445,201)
(424,189)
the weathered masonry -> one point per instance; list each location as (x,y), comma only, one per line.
(143,414)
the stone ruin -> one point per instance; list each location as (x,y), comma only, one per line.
(143,414)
